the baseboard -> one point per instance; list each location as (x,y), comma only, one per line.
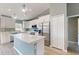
(18,51)
(50,46)
(58,48)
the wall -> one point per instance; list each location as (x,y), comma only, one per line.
(59,9)
(73,9)
(73,29)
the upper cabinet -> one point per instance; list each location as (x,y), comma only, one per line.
(26,24)
(44,18)
(2,23)
(7,22)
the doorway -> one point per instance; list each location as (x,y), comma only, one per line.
(73,30)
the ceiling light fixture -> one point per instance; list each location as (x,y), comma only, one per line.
(25,9)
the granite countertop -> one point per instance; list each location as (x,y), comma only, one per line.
(28,38)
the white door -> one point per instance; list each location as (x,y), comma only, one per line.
(60,20)
(57,31)
(54,32)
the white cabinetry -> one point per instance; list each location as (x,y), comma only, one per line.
(5,37)
(7,26)
(10,23)
(2,23)
(26,24)
(57,31)
(54,32)
(7,23)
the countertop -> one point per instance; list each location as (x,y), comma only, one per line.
(28,38)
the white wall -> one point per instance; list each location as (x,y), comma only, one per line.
(58,10)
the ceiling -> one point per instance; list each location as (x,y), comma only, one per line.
(15,9)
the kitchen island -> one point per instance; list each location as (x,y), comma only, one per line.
(27,44)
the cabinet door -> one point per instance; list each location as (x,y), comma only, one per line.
(9,23)
(2,23)
(57,31)
(26,24)
(60,33)
(54,32)
(5,37)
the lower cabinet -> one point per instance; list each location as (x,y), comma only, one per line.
(4,37)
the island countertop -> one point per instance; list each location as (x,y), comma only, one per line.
(28,38)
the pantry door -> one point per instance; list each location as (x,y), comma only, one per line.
(60,26)
(54,35)
(57,31)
